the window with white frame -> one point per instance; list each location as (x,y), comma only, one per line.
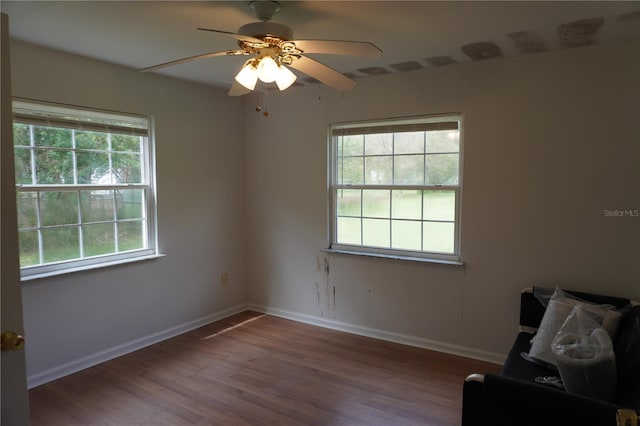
(395,187)
(84,186)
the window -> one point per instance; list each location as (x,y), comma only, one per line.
(395,187)
(84,187)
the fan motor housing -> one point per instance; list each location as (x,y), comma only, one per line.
(263,29)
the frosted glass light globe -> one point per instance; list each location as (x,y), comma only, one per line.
(267,70)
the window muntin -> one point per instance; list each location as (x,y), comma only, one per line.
(84,183)
(395,187)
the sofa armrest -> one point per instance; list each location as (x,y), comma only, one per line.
(504,401)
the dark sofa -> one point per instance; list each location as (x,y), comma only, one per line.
(514,398)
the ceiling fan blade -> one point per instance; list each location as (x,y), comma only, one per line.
(323,73)
(193,58)
(234,35)
(238,89)
(339,47)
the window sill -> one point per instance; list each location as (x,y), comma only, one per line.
(394,257)
(90,267)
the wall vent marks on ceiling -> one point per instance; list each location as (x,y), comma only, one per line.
(629,17)
(374,71)
(482,50)
(528,42)
(571,34)
(438,61)
(579,33)
(406,66)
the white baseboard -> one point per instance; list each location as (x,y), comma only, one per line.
(492,357)
(134,345)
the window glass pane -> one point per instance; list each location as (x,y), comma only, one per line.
(396,192)
(21,134)
(126,168)
(27,204)
(376,232)
(348,202)
(59,208)
(98,239)
(60,244)
(350,145)
(378,170)
(408,143)
(129,203)
(348,230)
(59,222)
(29,251)
(439,237)
(54,167)
(439,205)
(376,203)
(407,204)
(406,235)
(96,206)
(125,143)
(378,144)
(92,140)
(442,169)
(93,167)
(52,137)
(23,165)
(443,141)
(409,170)
(131,235)
(350,171)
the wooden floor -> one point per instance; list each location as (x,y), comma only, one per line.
(254,369)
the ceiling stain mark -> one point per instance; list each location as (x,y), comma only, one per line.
(374,70)
(406,66)
(528,41)
(579,33)
(311,80)
(482,50)
(351,75)
(629,17)
(438,61)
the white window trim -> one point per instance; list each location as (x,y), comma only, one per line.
(389,253)
(96,120)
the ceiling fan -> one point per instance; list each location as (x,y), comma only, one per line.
(273,49)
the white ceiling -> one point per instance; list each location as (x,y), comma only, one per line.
(411,34)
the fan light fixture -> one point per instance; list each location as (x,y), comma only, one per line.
(248,75)
(267,70)
(276,55)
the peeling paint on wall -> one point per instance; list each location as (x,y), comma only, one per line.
(580,33)
(325,294)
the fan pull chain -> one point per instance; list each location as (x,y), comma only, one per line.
(265,105)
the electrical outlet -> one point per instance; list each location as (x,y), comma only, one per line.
(224,279)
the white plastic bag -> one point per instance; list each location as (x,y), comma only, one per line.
(584,355)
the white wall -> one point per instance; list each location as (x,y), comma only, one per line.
(550,142)
(77,319)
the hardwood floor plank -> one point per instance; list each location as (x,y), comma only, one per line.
(255,369)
